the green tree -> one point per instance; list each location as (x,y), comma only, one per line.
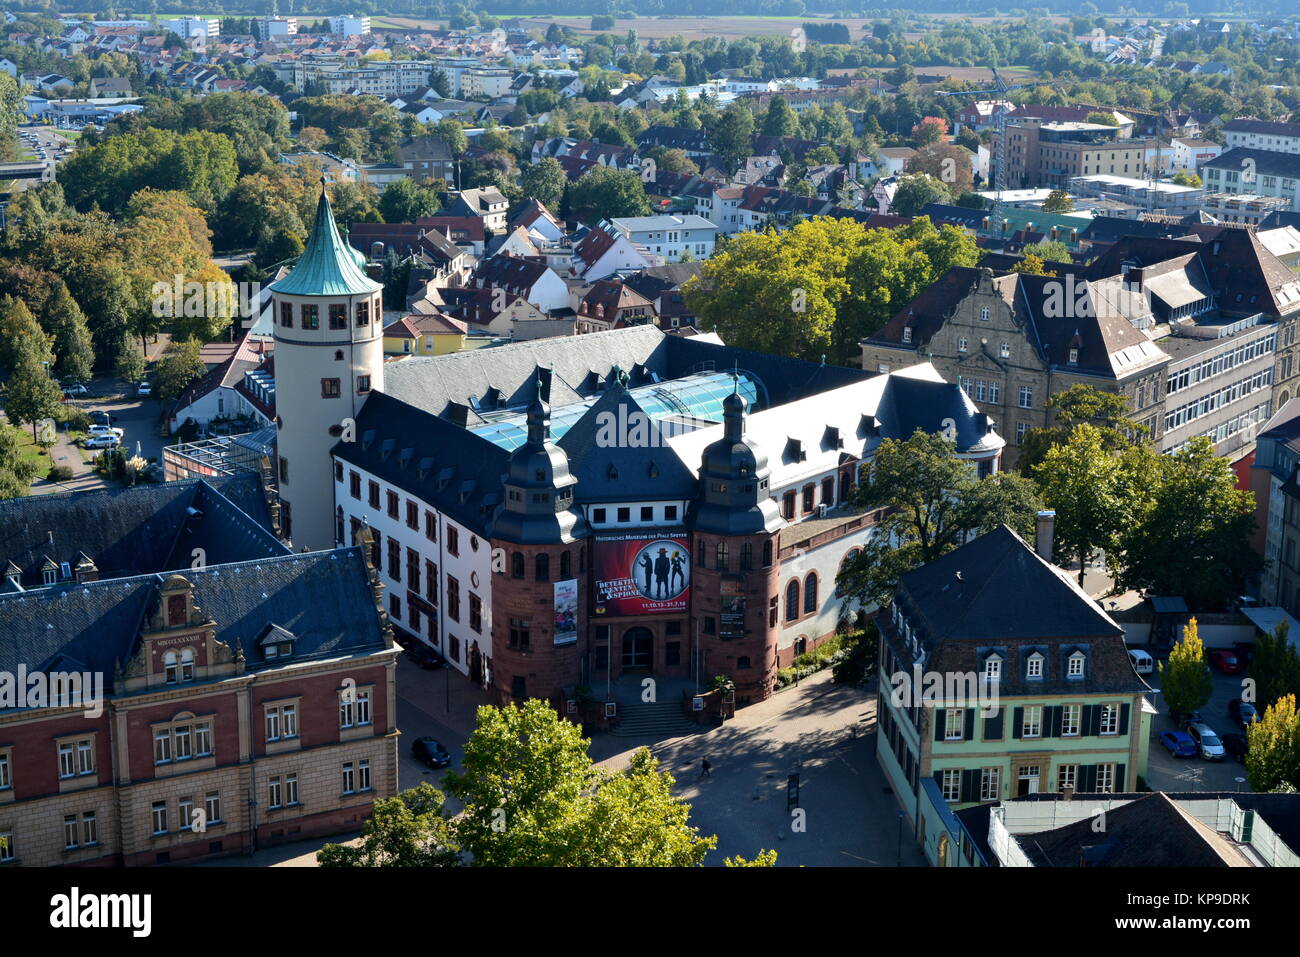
(780,119)
(179,366)
(533,797)
(30,394)
(544,181)
(732,137)
(762,859)
(403,201)
(1083,483)
(411,829)
(1107,411)
(917,190)
(16,470)
(130,363)
(1185,682)
(1273,748)
(930,502)
(21,335)
(72,340)
(1275,666)
(606,193)
(1193,536)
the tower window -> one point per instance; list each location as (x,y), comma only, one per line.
(286,314)
(310,317)
(363,384)
(330,388)
(338,315)
(338,355)
(363,313)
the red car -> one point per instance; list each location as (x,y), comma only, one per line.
(1225,662)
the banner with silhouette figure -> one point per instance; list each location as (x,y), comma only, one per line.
(639,575)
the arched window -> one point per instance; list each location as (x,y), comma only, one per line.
(746,556)
(517,565)
(542,567)
(792,600)
(170,667)
(810,593)
(723,557)
(566,565)
(338,526)
(767,554)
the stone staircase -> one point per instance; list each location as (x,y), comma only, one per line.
(662,719)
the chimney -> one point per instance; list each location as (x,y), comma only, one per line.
(1045,527)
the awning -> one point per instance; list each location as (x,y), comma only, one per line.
(1267,617)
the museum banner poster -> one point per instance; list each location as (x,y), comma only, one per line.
(638,574)
(566,611)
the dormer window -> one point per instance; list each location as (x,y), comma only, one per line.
(1074,357)
(49,575)
(984,314)
(907,333)
(1005,350)
(1034,666)
(993,668)
(1074,668)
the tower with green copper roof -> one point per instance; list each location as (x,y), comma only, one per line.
(329,357)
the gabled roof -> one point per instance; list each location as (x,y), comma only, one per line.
(327,266)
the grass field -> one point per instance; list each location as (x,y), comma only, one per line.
(33,452)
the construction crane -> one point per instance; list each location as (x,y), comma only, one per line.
(1000,90)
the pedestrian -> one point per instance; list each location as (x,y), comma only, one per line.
(706,769)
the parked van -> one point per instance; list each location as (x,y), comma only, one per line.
(1143,663)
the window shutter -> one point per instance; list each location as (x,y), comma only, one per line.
(1123,718)
(1091,720)
(1058,713)
(1017,722)
(970,725)
(970,785)
(940,721)
(1121,783)
(1087,778)
(993,727)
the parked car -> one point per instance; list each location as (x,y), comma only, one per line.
(1179,744)
(1207,741)
(75,388)
(1225,662)
(106,430)
(423,655)
(1235,745)
(153,473)
(104,441)
(100,417)
(143,388)
(1242,712)
(429,752)
(1245,651)
(1184,719)
(1142,661)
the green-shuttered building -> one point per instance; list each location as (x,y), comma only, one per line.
(999,678)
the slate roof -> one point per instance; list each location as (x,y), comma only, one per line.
(1150,831)
(450,467)
(140,529)
(1261,127)
(995,593)
(621,472)
(323,598)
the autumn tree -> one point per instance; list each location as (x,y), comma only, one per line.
(30,393)
(179,366)
(1273,747)
(1185,682)
(1275,665)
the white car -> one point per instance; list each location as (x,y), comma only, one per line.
(1207,742)
(101,442)
(105,430)
(144,388)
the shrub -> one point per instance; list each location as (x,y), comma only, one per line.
(59,473)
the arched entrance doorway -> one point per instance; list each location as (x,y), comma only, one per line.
(638,649)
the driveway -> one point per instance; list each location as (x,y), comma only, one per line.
(1167,773)
(824,732)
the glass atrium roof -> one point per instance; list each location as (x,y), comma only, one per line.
(698,396)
